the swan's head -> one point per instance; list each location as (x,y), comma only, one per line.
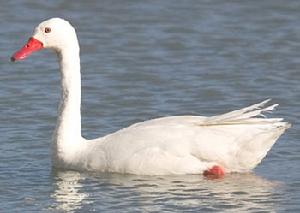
(54,33)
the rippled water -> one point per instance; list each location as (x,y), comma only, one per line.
(140,60)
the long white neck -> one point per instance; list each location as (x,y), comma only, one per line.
(67,136)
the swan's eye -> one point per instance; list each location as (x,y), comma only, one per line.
(47,30)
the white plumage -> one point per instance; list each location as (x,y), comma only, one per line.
(236,141)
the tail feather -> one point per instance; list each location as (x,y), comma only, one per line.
(259,135)
(249,115)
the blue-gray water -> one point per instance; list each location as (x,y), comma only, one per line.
(140,60)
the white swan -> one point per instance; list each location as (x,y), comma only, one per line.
(233,142)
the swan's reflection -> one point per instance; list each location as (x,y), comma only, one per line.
(238,192)
(68,190)
(112,192)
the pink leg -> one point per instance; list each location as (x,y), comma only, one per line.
(214,172)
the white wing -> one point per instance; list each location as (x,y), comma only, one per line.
(237,141)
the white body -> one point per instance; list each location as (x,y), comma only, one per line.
(237,141)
